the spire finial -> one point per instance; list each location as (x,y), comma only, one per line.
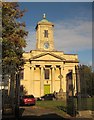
(44,16)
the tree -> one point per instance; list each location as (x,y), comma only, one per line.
(13,42)
(13,37)
(86,79)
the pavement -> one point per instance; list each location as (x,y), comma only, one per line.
(36,112)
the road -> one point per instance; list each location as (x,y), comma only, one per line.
(37,112)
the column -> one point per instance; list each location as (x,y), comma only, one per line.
(74,82)
(32,80)
(53,79)
(41,81)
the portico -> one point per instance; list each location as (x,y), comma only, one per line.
(42,75)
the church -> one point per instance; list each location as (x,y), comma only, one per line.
(45,68)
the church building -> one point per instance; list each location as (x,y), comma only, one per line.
(45,68)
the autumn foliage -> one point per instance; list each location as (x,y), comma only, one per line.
(13,35)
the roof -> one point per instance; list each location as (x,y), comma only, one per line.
(51,55)
(44,21)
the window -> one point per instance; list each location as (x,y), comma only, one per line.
(45,33)
(46,74)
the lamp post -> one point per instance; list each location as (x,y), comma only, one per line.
(60,77)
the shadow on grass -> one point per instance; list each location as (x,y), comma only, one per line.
(62,108)
(69,110)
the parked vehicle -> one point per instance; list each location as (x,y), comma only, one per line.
(85,96)
(82,96)
(48,97)
(27,100)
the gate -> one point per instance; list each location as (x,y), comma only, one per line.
(71,106)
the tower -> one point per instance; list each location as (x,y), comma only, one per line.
(44,35)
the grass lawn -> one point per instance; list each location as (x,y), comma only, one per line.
(87,103)
(51,104)
(57,106)
(60,106)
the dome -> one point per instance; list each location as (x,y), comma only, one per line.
(44,21)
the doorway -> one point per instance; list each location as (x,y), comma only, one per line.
(46,89)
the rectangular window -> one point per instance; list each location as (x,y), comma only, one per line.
(45,33)
(46,73)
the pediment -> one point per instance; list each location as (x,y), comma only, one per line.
(47,57)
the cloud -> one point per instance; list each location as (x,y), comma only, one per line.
(73,36)
(68,36)
(31,40)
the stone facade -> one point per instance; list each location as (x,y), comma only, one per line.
(44,65)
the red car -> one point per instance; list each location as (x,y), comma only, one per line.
(28,100)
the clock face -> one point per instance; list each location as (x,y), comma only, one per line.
(46,45)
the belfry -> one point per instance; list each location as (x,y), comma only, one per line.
(45,68)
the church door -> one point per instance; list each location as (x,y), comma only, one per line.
(46,89)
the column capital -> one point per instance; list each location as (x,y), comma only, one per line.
(62,67)
(41,66)
(32,66)
(53,66)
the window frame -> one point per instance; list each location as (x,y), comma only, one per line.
(46,74)
(46,33)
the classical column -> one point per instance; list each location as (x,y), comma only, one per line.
(32,80)
(41,81)
(53,79)
(74,82)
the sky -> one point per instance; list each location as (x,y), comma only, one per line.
(49,0)
(72,26)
